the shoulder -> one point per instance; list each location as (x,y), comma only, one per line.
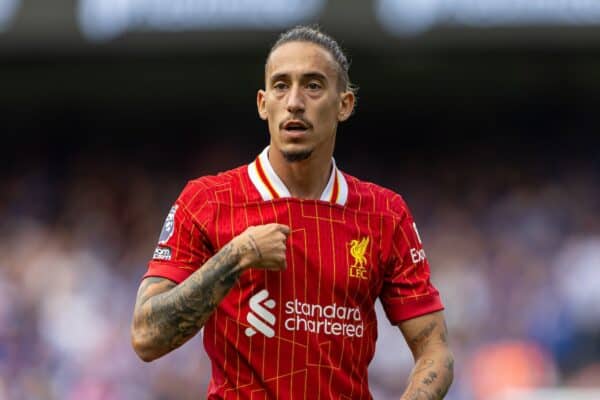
(225,185)
(369,196)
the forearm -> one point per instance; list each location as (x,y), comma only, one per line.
(431,377)
(166,320)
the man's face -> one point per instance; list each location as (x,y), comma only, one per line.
(302,101)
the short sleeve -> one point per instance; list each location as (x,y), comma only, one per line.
(182,244)
(407,290)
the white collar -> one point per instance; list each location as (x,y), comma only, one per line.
(270,186)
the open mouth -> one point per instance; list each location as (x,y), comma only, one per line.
(296,126)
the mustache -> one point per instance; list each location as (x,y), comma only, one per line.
(303,120)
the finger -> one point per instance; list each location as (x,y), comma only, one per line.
(284,228)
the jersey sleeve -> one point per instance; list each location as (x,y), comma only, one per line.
(407,290)
(183,245)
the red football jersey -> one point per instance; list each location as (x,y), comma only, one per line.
(308,331)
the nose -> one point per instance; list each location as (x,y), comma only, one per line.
(295,100)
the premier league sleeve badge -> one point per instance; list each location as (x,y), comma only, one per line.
(168,227)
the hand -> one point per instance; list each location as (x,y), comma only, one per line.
(263,246)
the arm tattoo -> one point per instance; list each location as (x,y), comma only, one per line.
(434,371)
(420,394)
(431,376)
(423,337)
(444,334)
(435,380)
(426,365)
(178,312)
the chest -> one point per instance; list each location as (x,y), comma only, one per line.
(332,251)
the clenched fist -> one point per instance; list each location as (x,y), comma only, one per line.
(262,246)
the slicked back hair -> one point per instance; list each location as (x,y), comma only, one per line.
(312,34)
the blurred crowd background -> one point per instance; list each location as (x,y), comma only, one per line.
(489,133)
(514,251)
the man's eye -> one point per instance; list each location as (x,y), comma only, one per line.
(314,86)
(280,86)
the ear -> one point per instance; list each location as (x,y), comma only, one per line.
(260,104)
(347,101)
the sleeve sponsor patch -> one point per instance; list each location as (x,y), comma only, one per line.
(417,232)
(162,253)
(168,227)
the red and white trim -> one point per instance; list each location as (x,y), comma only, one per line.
(270,186)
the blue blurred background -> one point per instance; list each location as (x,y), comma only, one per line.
(482,114)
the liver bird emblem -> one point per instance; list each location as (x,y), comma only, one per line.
(358,248)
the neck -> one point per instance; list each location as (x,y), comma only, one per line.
(304,179)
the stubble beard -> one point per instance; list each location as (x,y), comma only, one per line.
(296,156)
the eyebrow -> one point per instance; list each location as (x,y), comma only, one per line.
(308,75)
